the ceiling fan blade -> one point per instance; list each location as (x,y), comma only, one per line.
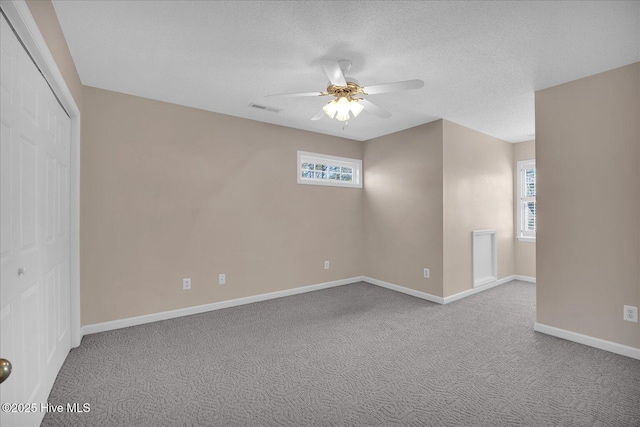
(332,68)
(282,95)
(374,109)
(320,114)
(393,87)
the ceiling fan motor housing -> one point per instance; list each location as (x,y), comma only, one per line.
(345,91)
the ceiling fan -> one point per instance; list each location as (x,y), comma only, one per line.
(348,94)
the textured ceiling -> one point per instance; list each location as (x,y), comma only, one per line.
(481,61)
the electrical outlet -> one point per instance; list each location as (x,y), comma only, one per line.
(222,279)
(326,265)
(631,313)
(186,284)
(426,273)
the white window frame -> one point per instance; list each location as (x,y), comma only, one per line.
(521,234)
(308,157)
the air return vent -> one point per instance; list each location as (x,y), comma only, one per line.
(265,108)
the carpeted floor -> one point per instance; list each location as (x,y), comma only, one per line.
(351,355)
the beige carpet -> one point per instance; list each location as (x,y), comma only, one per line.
(352,355)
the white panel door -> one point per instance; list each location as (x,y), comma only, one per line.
(34,243)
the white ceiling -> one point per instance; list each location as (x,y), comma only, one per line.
(481,61)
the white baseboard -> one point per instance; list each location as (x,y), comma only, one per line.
(524,278)
(434,298)
(408,291)
(164,315)
(613,347)
(469,292)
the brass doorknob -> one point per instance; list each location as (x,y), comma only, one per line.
(5,369)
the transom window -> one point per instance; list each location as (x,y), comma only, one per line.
(322,169)
(526,200)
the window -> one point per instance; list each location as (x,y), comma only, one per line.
(322,169)
(526,200)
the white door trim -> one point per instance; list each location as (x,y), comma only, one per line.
(22,21)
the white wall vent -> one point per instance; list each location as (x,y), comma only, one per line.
(265,108)
(485,257)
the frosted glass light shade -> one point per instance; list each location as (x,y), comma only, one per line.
(356,108)
(330,109)
(343,116)
(343,109)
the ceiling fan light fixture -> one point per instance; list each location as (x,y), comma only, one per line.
(340,108)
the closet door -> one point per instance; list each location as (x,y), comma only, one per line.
(34,233)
